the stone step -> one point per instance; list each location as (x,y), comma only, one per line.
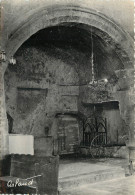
(118,186)
(88,178)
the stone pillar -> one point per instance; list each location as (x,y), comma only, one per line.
(131,121)
(4,146)
(125,93)
(131,144)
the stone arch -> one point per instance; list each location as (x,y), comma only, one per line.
(45,17)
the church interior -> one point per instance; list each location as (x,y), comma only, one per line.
(67,95)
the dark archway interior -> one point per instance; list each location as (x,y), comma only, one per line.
(70,38)
(73,40)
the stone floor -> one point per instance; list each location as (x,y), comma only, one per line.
(120,186)
(72,167)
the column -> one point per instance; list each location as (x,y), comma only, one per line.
(4,146)
(131,145)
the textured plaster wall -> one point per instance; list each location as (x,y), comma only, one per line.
(39,86)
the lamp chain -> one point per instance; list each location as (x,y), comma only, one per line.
(92,60)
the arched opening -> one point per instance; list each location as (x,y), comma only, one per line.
(30,24)
(47,90)
(55,65)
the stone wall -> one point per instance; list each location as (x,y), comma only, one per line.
(44,82)
(119,88)
(33,98)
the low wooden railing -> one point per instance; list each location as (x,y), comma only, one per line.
(95,138)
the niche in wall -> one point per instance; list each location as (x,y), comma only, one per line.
(68,133)
(31,104)
(116,128)
(115,125)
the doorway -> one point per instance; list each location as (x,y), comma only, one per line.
(68,134)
